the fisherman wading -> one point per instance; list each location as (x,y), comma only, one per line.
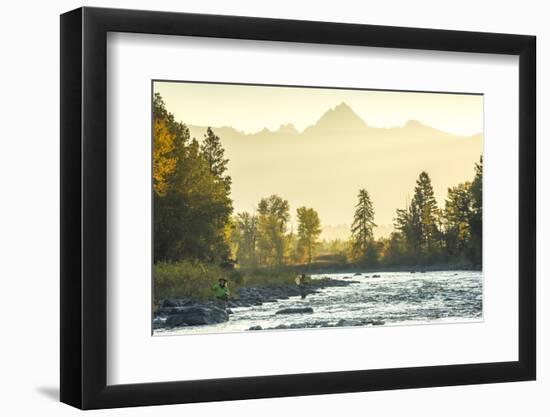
(221,291)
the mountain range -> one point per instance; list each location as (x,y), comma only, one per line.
(326,164)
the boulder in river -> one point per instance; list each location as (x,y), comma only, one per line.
(176,302)
(255,328)
(159,322)
(297,310)
(348,323)
(197,315)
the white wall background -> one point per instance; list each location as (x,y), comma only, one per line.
(29,225)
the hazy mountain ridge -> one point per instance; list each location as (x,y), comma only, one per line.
(324,165)
(340,118)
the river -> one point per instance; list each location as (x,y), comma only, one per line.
(391,298)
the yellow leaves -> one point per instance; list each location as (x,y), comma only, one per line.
(164,163)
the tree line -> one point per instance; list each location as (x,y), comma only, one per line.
(424,234)
(194,219)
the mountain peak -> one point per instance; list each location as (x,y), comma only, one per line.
(343,107)
(341,116)
(288,129)
(413,123)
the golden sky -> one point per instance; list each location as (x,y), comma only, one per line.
(252,108)
(325,167)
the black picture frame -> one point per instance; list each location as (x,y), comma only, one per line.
(84,207)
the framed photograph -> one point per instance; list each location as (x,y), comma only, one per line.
(257,207)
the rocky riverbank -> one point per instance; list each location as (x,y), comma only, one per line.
(190,312)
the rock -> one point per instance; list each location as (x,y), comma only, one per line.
(376,276)
(175,302)
(348,323)
(197,315)
(299,310)
(169,303)
(255,328)
(159,322)
(357,274)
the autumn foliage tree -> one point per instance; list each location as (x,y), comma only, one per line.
(245,238)
(164,161)
(192,206)
(309,230)
(273,217)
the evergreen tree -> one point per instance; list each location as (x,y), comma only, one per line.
(419,222)
(363,224)
(457,214)
(424,208)
(372,253)
(394,252)
(408,223)
(476,218)
(211,148)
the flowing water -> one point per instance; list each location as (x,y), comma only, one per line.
(393,298)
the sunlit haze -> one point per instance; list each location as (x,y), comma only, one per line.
(317,147)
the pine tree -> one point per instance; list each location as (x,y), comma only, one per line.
(409,226)
(476,218)
(458,211)
(213,152)
(425,206)
(419,222)
(363,224)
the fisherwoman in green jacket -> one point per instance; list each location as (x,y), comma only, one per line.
(221,290)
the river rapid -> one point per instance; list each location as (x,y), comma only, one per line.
(389,298)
